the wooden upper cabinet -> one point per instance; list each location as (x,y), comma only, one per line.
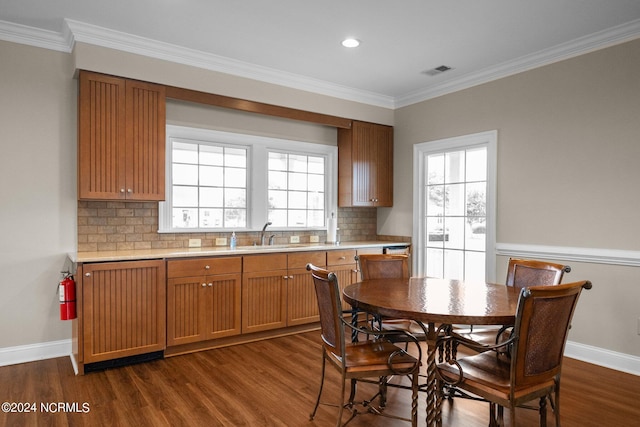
(365,165)
(121,139)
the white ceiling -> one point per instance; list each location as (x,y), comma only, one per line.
(297,43)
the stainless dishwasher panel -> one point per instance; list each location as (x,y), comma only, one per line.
(396,249)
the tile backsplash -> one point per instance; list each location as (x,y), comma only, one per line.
(108,226)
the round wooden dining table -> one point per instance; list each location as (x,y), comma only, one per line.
(431,301)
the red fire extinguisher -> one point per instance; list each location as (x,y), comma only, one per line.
(67,293)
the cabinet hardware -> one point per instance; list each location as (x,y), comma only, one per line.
(87,274)
(206,267)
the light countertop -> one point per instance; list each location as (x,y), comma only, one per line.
(141,254)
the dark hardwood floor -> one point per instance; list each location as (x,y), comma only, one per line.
(267,383)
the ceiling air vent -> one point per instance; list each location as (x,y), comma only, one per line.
(438,70)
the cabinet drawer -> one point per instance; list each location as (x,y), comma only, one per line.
(301,259)
(363,251)
(202,266)
(341,257)
(264,262)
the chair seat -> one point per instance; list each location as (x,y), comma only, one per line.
(489,373)
(374,355)
(390,324)
(479,334)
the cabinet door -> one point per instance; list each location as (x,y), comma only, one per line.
(223,305)
(203,299)
(101,137)
(124,309)
(145,148)
(186,310)
(302,303)
(365,165)
(264,300)
(121,139)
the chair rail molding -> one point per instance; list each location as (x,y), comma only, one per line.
(565,253)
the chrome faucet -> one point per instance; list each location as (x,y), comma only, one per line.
(263,230)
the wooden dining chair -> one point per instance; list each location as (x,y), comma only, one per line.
(374,358)
(521,273)
(533,371)
(383,266)
(389,266)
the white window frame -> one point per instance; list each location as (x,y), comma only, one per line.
(257,164)
(420,153)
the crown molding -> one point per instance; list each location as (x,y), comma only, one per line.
(22,34)
(74,31)
(580,46)
(105,37)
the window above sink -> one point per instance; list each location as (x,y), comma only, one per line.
(221,181)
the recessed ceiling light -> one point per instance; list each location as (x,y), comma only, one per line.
(350,43)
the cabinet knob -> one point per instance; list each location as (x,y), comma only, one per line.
(129,190)
(122,190)
(87,274)
(211,284)
(204,285)
(343,257)
(285,277)
(206,267)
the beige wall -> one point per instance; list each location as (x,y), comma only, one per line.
(37,189)
(568,174)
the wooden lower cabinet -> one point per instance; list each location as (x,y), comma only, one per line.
(203,299)
(123,309)
(277,290)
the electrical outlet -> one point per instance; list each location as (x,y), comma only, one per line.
(221,241)
(314,239)
(294,239)
(195,243)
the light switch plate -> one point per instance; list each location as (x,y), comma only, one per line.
(195,243)
(294,239)
(314,239)
(221,241)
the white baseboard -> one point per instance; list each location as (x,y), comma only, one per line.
(602,357)
(32,352)
(49,350)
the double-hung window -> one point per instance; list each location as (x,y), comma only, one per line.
(220,181)
(296,190)
(208,185)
